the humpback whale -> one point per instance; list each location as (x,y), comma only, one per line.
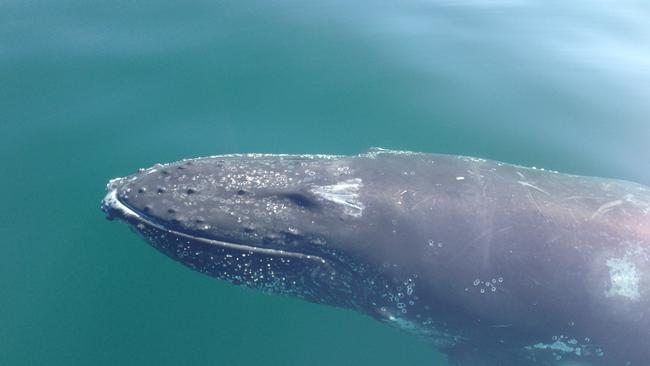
(496,264)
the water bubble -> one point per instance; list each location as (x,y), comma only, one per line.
(500,279)
(482,290)
(477,282)
(493,289)
(431,242)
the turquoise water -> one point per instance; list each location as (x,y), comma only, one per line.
(91,90)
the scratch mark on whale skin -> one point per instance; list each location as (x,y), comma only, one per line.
(526,184)
(606,207)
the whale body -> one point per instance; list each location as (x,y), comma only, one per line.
(496,264)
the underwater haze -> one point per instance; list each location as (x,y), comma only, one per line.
(91,90)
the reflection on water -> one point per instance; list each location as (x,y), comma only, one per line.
(92,90)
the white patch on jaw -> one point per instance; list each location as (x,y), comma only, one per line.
(564,346)
(558,345)
(624,278)
(344,193)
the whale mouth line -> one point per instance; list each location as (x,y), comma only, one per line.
(112,203)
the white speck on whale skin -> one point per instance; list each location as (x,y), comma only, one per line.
(486,286)
(642,205)
(471,159)
(460,178)
(376,151)
(624,279)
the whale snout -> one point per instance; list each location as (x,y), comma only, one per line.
(169,195)
(111,204)
(244,199)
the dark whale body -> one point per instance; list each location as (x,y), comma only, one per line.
(497,264)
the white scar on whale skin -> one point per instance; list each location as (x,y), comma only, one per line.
(624,278)
(344,193)
(606,207)
(526,184)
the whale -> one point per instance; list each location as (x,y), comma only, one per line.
(492,263)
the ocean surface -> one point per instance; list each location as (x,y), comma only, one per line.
(91,90)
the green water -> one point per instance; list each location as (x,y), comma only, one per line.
(91,90)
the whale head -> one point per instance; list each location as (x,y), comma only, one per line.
(279,223)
